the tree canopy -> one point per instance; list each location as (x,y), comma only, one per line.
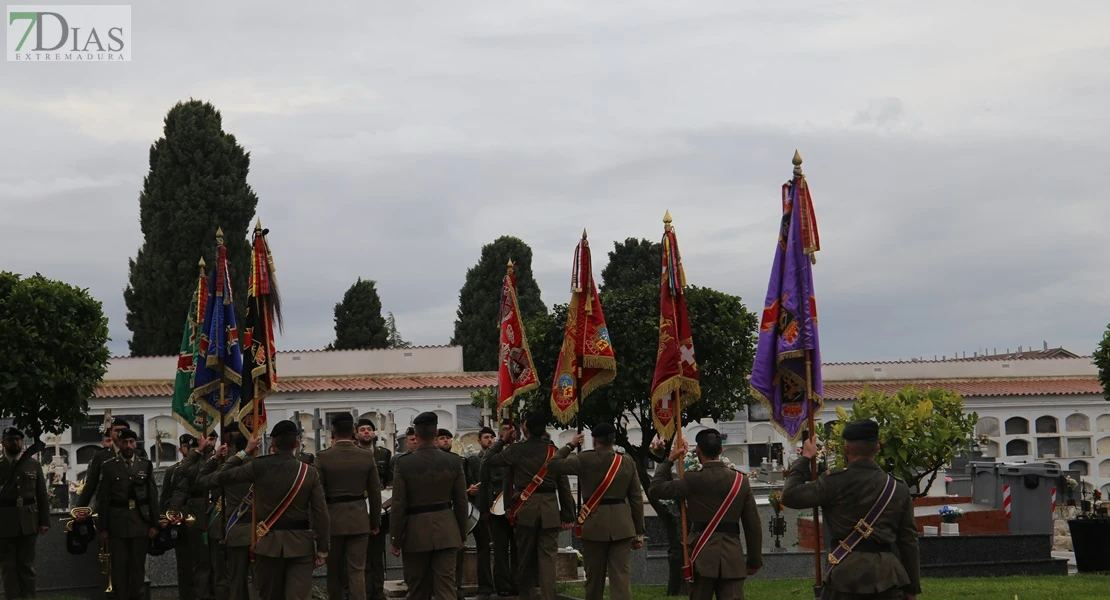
(632,263)
(393,337)
(476,323)
(197,183)
(359,324)
(55,339)
(1102,361)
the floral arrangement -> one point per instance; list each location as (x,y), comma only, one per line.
(469,450)
(690,463)
(775,500)
(947,479)
(577,554)
(1071,484)
(982,439)
(950,514)
(658,448)
(73,489)
(1098,495)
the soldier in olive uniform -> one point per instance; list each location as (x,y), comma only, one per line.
(375,550)
(92,474)
(183,554)
(871,571)
(191,496)
(538,520)
(616,526)
(349,475)
(127,502)
(234,522)
(444,439)
(429,520)
(24,515)
(495,483)
(298,539)
(482,531)
(721,567)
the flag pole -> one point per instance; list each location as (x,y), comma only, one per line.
(813,472)
(681,474)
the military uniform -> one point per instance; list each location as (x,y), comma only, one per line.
(375,548)
(182,553)
(429,518)
(349,476)
(540,518)
(127,502)
(234,533)
(871,571)
(192,497)
(473,465)
(618,519)
(284,556)
(505,557)
(721,567)
(24,508)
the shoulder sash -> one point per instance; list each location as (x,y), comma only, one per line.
(298,481)
(862,529)
(591,504)
(533,485)
(241,510)
(688,570)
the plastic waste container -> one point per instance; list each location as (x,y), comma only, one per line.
(1030,490)
(986,488)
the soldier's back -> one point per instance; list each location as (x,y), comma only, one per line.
(275,476)
(426,497)
(612,518)
(349,475)
(722,557)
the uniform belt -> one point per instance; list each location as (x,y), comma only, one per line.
(866,545)
(123,504)
(733,528)
(338,499)
(427,508)
(17,502)
(544,491)
(611,501)
(283,524)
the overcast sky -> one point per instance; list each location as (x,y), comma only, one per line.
(956,152)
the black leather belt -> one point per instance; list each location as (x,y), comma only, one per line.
(611,501)
(733,528)
(338,499)
(866,545)
(290,525)
(17,502)
(120,504)
(428,508)
(544,491)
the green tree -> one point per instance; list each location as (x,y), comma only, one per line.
(632,263)
(393,337)
(920,432)
(476,325)
(55,340)
(1102,361)
(359,324)
(724,333)
(197,184)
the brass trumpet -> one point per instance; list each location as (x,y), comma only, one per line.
(106,565)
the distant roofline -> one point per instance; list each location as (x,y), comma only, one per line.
(1049,354)
(312,350)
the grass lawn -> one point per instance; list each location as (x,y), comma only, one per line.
(1074,587)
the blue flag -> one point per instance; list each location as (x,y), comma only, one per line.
(217,382)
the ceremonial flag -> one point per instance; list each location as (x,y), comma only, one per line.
(676,368)
(586,361)
(516,371)
(788,329)
(217,381)
(260,360)
(192,417)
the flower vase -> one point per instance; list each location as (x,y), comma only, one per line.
(950,529)
(931,531)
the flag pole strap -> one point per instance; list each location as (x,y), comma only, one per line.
(681,474)
(813,472)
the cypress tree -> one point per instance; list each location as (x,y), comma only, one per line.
(476,328)
(359,324)
(197,183)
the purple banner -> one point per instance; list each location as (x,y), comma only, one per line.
(789,324)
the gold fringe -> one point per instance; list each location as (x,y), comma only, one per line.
(591,361)
(665,431)
(770,408)
(690,389)
(190,428)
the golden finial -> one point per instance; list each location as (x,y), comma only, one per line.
(258,224)
(201,264)
(219,236)
(797,163)
(583,233)
(667,221)
(510,266)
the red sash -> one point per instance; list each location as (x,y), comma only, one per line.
(298,481)
(537,480)
(688,570)
(591,504)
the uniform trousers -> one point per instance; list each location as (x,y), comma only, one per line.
(202,565)
(375,565)
(608,559)
(283,578)
(183,555)
(17,565)
(892,594)
(128,566)
(347,566)
(238,573)
(430,574)
(217,560)
(538,551)
(482,547)
(505,556)
(724,589)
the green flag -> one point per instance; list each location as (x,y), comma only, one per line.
(191,416)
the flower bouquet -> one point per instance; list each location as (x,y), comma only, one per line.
(950,514)
(775,500)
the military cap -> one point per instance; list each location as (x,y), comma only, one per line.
(410,431)
(13,432)
(127,434)
(342,419)
(535,422)
(367,423)
(188,440)
(707,436)
(861,431)
(120,422)
(284,428)
(602,430)
(426,418)
(484,431)
(212,435)
(443,433)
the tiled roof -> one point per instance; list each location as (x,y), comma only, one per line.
(314,350)
(849,390)
(137,389)
(1061,353)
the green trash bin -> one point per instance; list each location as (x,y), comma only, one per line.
(1030,491)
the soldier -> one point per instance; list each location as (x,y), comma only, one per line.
(92,474)
(293,525)
(351,487)
(718,563)
(24,515)
(170,480)
(191,495)
(495,484)
(234,526)
(535,512)
(612,518)
(444,439)
(847,496)
(429,514)
(482,531)
(127,502)
(375,549)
